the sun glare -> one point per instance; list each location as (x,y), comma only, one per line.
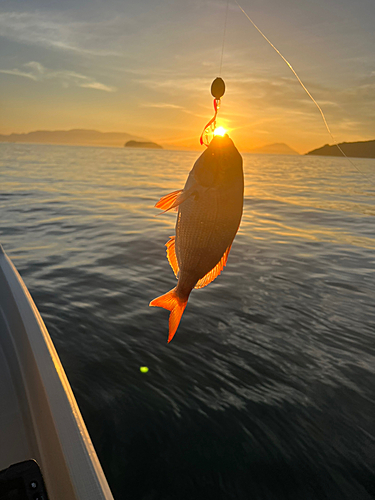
(220,131)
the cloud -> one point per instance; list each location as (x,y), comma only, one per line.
(162,105)
(46,30)
(39,73)
(272,100)
(17,72)
(178,85)
(98,86)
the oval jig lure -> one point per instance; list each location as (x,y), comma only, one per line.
(217,91)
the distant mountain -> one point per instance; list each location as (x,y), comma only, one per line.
(361,149)
(79,137)
(274,149)
(140,144)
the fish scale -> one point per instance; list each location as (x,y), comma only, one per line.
(209,214)
(195,236)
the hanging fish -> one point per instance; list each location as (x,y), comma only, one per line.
(209,214)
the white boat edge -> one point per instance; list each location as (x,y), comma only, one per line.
(54,432)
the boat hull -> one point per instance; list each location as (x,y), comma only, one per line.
(39,416)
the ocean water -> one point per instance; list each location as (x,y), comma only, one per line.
(267,390)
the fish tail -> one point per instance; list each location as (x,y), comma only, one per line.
(173,303)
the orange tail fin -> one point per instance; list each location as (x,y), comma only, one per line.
(174,304)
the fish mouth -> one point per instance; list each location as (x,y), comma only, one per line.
(221,141)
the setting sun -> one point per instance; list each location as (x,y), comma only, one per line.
(220,131)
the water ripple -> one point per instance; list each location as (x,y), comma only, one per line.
(267,390)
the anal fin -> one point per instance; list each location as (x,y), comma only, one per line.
(171,254)
(215,271)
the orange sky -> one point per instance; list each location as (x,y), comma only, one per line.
(146,68)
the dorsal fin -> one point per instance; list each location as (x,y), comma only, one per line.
(215,271)
(171,254)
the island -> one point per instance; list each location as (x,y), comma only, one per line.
(140,144)
(75,137)
(361,149)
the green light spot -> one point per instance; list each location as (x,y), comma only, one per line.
(144,369)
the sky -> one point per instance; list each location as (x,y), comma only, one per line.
(145,67)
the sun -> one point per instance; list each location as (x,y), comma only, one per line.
(220,131)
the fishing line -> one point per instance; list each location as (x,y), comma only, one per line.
(305,89)
(217,91)
(225,29)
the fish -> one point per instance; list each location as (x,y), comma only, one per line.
(209,214)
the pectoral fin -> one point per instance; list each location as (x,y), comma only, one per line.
(174,199)
(168,201)
(215,271)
